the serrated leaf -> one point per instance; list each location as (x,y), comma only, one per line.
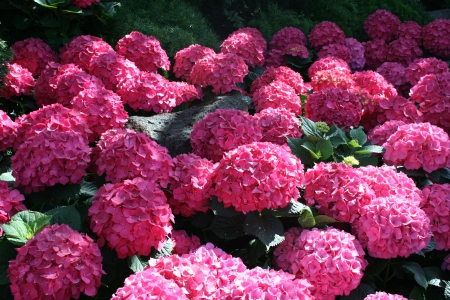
(40,223)
(294,207)
(359,135)
(17,232)
(136,264)
(27,216)
(430,247)
(322,220)
(312,150)
(303,154)
(7,253)
(361,292)
(441,175)
(367,161)
(228,228)
(44,3)
(65,215)
(375,266)
(306,219)
(447,291)
(267,228)
(309,127)
(166,249)
(201,219)
(219,210)
(325,147)
(62,192)
(88,189)
(417,271)
(435,276)
(416,293)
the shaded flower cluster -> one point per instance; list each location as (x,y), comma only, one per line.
(328,63)
(382,25)
(393,72)
(332,78)
(384,296)
(45,92)
(286,36)
(297,50)
(275,58)
(325,33)
(424,66)
(410,30)
(10,202)
(436,37)
(277,124)
(247,43)
(277,94)
(282,73)
(375,53)
(336,50)
(8,131)
(380,133)
(187,57)
(374,83)
(403,51)
(357,58)
(33,54)
(19,81)
(183,243)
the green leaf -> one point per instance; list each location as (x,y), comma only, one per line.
(375,266)
(430,247)
(416,293)
(361,292)
(441,175)
(323,220)
(40,223)
(65,215)
(17,232)
(309,128)
(367,161)
(58,2)
(359,135)
(369,149)
(88,189)
(201,219)
(297,149)
(21,22)
(337,136)
(136,263)
(435,276)
(27,216)
(417,271)
(166,249)
(219,210)
(44,3)
(228,228)
(325,147)
(353,144)
(7,177)
(306,219)
(48,20)
(294,207)
(72,9)
(267,228)
(447,291)
(312,149)
(7,253)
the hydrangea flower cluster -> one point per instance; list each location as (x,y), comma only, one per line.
(247,43)
(57,263)
(131,216)
(436,37)
(33,54)
(331,260)
(277,94)
(221,71)
(282,73)
(418,145)
(274,58)
(44,90)
(277,124)
(357,58)
(223,130)
(336,50)
(10,202)
(394,73)
(390,227)
(384,296)
(380,133)
(187,57)
(337,78)
(382,25)
(286,36)
(83,3)
(334,106)
(337,190)
(258,176)
(126,154)
(437,208)
(183,243)
(403,51)
(375,53)
(8,131)
(325,33)
(424,66)
(19,81)
(145,51)
(297,50)
(374,83)
(410,30)
(190,184)
(328,63)
(149,286)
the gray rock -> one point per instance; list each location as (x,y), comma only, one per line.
(173,130)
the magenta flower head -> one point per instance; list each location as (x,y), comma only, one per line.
(380,133)
(223,130)
(274,58)
(33,54)
(285,74)
(436,37)
(297,50)
(382,25)
(437,208)
(83,3)
(187,57)
(258,176)
(375,53)
(126,154)
(331,260)
(57,263)
(418,145)
(326,33)
(403,51)
(393,72)
(390,227)
(10,202)
(149,286)
(410,30)
(131,217)
(357,58)
(247,43)
(286,36)
(424,66)
(374,83)
(221,71)
(384,296)
(332,78)
(190,184)
(145,51)
(45,91)
(183,243)
(277,124)
(8,131)
(328,63)
(335,50)
(277,94)
(19,81)
(334,106)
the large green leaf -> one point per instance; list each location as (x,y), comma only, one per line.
(325,147)
(65,215)
(306,218)
(303,154)
(17,232)
(228,228)
(166,249)
(7,253)
(359,135)
(267,228)
(417,271)
(219,209)
(136,263)
(309,127)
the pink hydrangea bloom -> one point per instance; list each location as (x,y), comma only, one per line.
(277,124)
(200,274)
(274,58)
(247,43)
(393,72)
(57,263)
(380,133)
(83,3)
(328,63)
(145,51)
(384,296)
(446,264)
(297,50)
(187,57)
(183,243)
(390,227)
(190,184)
(48,158)
(424,66)
(410,30)
(436,37)
(382,25)
(332,78)
(10,202)
(282,73)
(126,154)
(33,54)
(325,33)
(418,145)
(286,36)
(223,130)
(331,260)
(102,108)
(334,106)
(374,83)
(277,94)
(437,208)
(375,53)
(387,181)
(82,49)
(337,190)
(258,176)
(357,59)
(8,131)
(19,81)
(336,50)
(112,69)
(149,286)
(185,92)
(131,216)
(403,51)
(221,71)
(45,91)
